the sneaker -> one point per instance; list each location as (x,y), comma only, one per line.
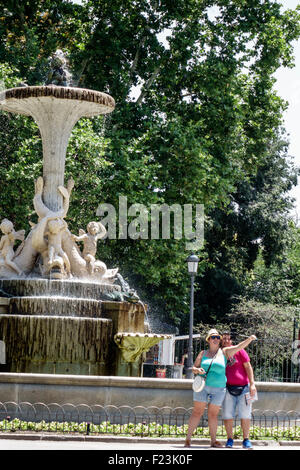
(229,444)
(247,444)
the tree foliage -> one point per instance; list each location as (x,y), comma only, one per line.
(255,225)
(278,283)
(195,117)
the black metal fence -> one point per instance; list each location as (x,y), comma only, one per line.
(135,421)
(272,360)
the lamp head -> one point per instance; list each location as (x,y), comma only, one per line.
(192,262)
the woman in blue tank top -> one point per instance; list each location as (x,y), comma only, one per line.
(214,358)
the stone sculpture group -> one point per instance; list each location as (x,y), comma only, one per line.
(50,250)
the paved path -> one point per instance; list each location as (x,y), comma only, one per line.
(112,446)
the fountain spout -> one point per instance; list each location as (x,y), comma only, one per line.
(133,345)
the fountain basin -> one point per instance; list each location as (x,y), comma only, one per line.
(24,100)
(56,344)
(63,288)
(4,305)
(59,306)
(64,327)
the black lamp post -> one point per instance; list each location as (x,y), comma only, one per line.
(192,262)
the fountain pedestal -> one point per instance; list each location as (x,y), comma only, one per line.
(55,327)
(47,328)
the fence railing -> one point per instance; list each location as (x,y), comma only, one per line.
(272,361)
(139,421)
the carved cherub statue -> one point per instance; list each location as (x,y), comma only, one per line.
(7,243)
(59,74)
(95,231)
(56,227)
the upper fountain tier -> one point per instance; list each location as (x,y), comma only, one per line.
(56,109)
(28,100)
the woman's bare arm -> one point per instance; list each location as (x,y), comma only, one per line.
(196,367)
(232,350)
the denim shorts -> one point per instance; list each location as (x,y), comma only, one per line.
(233,405)
(213,395)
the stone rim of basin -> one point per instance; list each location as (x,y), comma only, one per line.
(97,101)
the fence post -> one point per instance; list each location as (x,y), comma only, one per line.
(2,353)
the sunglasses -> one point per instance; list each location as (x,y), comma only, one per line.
(215,337)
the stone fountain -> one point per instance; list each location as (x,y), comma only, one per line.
(58,312)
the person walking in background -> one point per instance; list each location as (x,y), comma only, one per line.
(240,384)
(184,362)
(214,359)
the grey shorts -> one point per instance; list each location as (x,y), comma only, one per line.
(213,395)
(233,405)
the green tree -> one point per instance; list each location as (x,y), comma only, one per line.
(255,225)
(202,120)
(278,283)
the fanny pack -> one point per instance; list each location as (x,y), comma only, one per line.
(236,390)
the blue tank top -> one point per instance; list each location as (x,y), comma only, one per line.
(216,376)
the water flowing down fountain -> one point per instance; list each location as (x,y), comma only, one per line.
(58,310)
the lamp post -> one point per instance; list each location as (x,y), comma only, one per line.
(192,262)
